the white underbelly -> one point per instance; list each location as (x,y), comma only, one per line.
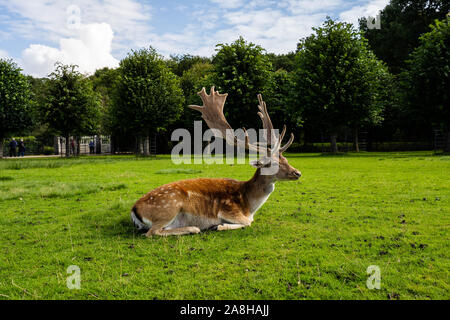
(190,220)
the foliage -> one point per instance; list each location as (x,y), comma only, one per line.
(15,100)
(285,62)
(103,82)
(72,107)
(402,23)
(427,78)
(179,64)
(192,81)
(242,70)
(280,100)
(340,82)
(148,96)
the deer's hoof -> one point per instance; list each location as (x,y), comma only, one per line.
(194,230)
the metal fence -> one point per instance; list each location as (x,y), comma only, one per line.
(33,146)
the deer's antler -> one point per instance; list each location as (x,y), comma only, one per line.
(212,113)
(212,110)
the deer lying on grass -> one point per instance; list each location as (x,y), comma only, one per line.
(190,206)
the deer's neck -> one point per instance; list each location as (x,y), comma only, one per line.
(258,190)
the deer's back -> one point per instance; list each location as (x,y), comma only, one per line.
(202,196)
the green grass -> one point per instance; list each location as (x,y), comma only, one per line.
(313,239)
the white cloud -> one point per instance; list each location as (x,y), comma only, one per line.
(276,28)
(276,25)
(272,29)
(4,54)
(308,6)
(372,8)
(229,4)
(47,20)
(90,50)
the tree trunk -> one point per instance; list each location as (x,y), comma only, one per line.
(356,140)
(146,150)
(447,142)
(334,147)
(112,146)
(1,148)
(137,146)
(55,145)
(67,146)
(98,145)
(78,145)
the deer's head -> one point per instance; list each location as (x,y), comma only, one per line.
(272,163)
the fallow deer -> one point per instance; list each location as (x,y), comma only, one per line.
(190,206)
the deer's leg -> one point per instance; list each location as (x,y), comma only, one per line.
(237,220)
(158,229)
(228,226)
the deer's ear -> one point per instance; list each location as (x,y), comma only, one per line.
(260,163)
(256,163)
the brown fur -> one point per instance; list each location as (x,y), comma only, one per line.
(189,206)
(229,202)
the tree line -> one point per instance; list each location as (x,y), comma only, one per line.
(392,81)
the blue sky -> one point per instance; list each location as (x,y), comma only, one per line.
(98,33)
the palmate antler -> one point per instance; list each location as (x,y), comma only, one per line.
(212,113)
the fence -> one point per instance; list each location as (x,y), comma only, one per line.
(101,145)
(57,145)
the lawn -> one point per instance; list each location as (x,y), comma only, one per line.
(313,239)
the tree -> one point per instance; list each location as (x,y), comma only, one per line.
(339,80)
(427,79)
(15,101)
(242,70)
(179,64)
(282,61)
(72,107)
(402,23)
(148,96)
(103,83)
(281,100)
(192,81)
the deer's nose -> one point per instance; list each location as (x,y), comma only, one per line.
(297,173)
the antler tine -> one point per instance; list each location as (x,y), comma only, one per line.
(212,113)
(267,123)
(282,134)
(287,145)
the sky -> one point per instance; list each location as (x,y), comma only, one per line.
(98,33)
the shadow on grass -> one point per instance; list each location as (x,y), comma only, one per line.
(122,228)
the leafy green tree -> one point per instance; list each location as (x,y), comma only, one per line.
(192,81)
(72,107)
(427,79)
(103,83)
(15,101)
(280,98)
(242,70)
(282,61)
(338,79)
(402,23)
(148,96)
(179,64)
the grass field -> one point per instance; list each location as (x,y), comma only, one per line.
(313,239)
